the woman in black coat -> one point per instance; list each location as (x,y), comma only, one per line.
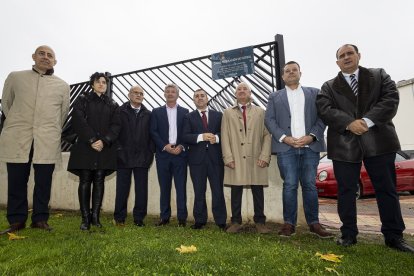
(96,121)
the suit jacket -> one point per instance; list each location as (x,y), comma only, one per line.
(278,119)
(193,126)
(377,100)
(159,129)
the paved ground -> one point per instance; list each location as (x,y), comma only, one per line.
(368,217)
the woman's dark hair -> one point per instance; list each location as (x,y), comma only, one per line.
(96,76)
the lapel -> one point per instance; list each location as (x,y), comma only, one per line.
(284,98)
(340,86)
(308,102)
(198,121)
(365,85)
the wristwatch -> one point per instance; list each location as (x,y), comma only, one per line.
(313,137)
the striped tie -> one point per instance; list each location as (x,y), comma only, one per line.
(354,84)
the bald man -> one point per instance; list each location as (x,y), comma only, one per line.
(36,104)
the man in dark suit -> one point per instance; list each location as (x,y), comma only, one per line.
(166,131)
(358,106)
(297,138)
(202,134)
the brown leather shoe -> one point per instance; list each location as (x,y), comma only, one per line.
(41,225)
(14,227)
(287,230)
(234,228)
(319,231)
(262,229)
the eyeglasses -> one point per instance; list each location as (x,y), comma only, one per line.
(137,93)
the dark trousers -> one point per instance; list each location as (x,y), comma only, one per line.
(258,203)
(167,168)
(199,174)
(123,186)
(17,204)
(381,170)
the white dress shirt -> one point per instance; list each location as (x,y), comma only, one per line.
(172,123)
(296,100)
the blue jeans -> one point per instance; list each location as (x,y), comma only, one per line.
(299,165)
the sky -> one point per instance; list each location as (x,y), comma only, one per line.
(126,35)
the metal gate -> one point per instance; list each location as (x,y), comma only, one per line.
(195,73)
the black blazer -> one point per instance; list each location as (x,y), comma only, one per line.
(193,126)
(377,100)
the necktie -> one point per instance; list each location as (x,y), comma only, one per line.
(204,119)
(136,110)
(244,117)
(354,84)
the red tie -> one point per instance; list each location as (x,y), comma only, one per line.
(244,117)
(204,119)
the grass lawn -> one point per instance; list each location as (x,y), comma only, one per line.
(151,250)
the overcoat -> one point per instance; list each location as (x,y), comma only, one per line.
(135,146)
(377,100)
(97,119)
(35,106)
(245,147)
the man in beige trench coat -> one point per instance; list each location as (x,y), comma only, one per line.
(246,147)
(35,103)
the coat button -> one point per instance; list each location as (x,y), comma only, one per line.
(240,130)
(242,144)
(244,157)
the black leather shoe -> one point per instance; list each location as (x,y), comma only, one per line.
(41,225)
(182,223)
(346,241)
(399,244)
(197,225)
(139,223)
(162,222)
(222,226)
(14,227)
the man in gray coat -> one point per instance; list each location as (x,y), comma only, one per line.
(35,103)
(358,106)
(297,138)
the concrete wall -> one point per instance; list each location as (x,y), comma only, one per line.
(65,194)
(404,119)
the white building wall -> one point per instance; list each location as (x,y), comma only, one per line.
(65,194)
(404,120)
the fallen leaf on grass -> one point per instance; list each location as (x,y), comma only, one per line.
(59,215)
(331,269)
(186,249)
(330,257)
(13,237)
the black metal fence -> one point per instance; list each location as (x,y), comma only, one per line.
(196,73)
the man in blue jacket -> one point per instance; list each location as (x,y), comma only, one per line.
(297,138)
(166,131)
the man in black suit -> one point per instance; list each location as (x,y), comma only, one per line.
(171,158)
(358,106)
(202,134)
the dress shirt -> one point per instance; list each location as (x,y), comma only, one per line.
(348,80)
(200,136)
(136,109)
(172,123)
(296,100)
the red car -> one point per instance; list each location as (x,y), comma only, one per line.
(327,186)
